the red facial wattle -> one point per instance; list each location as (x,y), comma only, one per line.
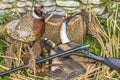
(38,9)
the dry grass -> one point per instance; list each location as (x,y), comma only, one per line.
(108,39)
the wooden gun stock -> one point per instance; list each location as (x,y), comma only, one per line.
(111,62)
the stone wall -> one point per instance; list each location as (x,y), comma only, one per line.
(52,6)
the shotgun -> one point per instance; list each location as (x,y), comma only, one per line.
(111,62)
(45,59)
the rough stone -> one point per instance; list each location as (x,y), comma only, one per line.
(91,1)
(48,3)
(73,11)
(56,6)
(57,12)
(105,15)
(40,0)
(9,0)
(68,8)
(21,4)
(3,11)
(28,8)
(59,9)
(5,6)
(23,0)
(68,3)
(21,10)
(28,3)
(52,8)
(118,14)
(98,10)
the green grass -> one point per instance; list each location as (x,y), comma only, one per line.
(5,17)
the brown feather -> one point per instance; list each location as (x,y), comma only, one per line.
(38,27)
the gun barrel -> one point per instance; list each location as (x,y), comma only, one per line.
(12,70)
(45,59)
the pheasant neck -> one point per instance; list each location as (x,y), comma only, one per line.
(36,15)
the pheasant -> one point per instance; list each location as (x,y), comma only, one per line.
(28,28)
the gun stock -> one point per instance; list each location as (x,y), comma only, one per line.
(111,62)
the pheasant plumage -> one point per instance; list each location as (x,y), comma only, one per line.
(28,28)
